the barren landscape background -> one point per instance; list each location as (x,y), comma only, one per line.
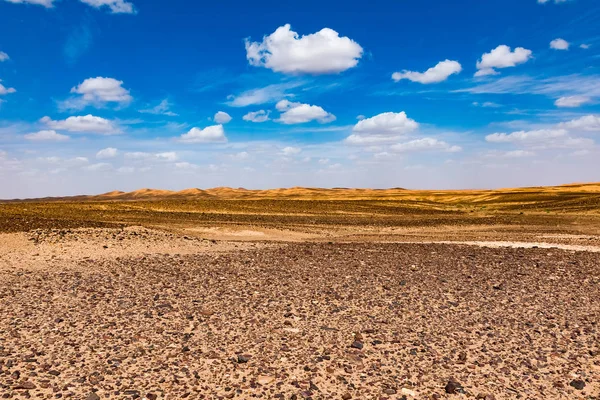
(302,293)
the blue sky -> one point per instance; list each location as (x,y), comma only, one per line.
(98,95)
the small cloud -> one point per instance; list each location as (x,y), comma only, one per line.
(97,92)
(559,44)
(46,136)
(585,46)
(382,128)
(83,124)
(98,167)
(163,108)
(501,57)
(4,56)
(290,151)
(442,71)
(222,117)
(210,134)
(115,6)
(257,116)
(572,101)
(298,113)
(4,90)
(109,152)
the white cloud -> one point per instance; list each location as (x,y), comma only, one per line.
(518,154)
(555,1)
(290,151)
(3,56)
(109,152)
(298,113)
(381,128)
(526,136)
(163,108)
(559,44)
(4,90)
(424,144)
(501,57)
(222,117)
(116,6)
(589,123)
(45,3)
(145,157)
(84,124)
(210,134)
(97,92)
(572,101)
(323,52)
(243,155)
(487,104)
(46,136)
(184,165)
(167,156)
(257,116)
(439,73)
(267,94)
(585,46)
(98,167)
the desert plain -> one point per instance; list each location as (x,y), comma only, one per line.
(302,294)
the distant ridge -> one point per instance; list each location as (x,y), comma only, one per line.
(307,193)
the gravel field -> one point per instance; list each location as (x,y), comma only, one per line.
(99,313)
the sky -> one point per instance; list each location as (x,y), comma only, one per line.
(102,95)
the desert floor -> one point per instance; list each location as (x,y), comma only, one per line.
(296,295)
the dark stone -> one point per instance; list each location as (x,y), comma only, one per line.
(577,384)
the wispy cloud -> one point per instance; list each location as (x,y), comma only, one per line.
(78,42)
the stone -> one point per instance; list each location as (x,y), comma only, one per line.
(357,345)
(92,396)
(577,384)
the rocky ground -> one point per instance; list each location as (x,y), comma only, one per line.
(133,313)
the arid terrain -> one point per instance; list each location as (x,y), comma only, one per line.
(302,294)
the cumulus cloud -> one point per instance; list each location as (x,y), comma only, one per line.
(589,123)
(439,73)
(45,3)
(163,108)
(501,57)
(97,92)
(222,117)
(109,152)
(210,134)
(291,151)
(115,6)
(559,44)
(424,144)
(257,116)
(4,90)
(385,127)
(298,113)
(83,124)
(572,101)
(3,56)
(323,52)
(46,136)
